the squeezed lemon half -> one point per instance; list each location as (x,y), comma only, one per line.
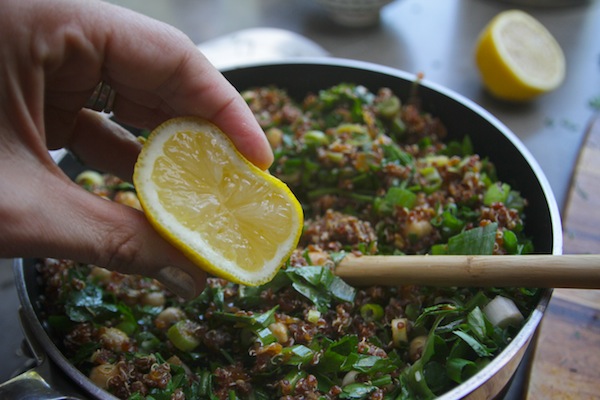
(225,214)
(518,58)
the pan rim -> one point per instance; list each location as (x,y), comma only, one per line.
(521,339)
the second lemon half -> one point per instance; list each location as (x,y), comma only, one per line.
(225,214)
(518,58)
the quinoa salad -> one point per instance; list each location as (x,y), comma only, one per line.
(375,175)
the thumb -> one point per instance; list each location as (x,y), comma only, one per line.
(120,238)
(75,224)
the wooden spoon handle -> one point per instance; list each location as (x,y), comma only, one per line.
(549,271)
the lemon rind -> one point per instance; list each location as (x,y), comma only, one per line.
(502,74)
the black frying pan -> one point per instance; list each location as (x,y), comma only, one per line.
(490,138)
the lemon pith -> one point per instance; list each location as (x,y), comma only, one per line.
(518,58)
(229,217)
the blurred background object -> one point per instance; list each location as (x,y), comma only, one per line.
(354,13)
(258,45)
(545,3)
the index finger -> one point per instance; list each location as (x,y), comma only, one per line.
(158,72)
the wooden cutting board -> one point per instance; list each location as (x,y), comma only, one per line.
(566,359)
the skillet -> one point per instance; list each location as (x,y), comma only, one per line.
(55,377)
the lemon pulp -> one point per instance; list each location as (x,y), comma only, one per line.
(225,214)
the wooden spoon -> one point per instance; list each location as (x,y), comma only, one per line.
(541,270)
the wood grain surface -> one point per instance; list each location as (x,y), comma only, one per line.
(533,270)
(566,360)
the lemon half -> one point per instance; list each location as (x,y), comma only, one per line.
(225,214)
(518,58)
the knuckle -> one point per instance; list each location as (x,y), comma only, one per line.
(123,252)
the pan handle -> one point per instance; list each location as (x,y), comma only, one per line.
(41,382)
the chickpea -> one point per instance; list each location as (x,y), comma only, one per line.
(101,274)
(154,299)
(280,331)
(168,317)
(318,257)
(102,374)
(275,137)
(128,198)
(89,178)
(418,228)
(416,347)
(114,339)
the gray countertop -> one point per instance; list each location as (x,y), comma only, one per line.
(435,37)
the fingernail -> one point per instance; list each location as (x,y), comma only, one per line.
(177,281)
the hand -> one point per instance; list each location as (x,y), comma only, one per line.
(53,54)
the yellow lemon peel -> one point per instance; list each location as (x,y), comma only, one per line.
(518,58)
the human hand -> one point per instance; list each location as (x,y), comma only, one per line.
(53,55)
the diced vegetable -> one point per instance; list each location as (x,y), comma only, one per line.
(315,138)
(371,312)
(182,335)
(399,331)
(313,316)
(503,312)
(496,193)
(389,107)
(395,197)
(349,378)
